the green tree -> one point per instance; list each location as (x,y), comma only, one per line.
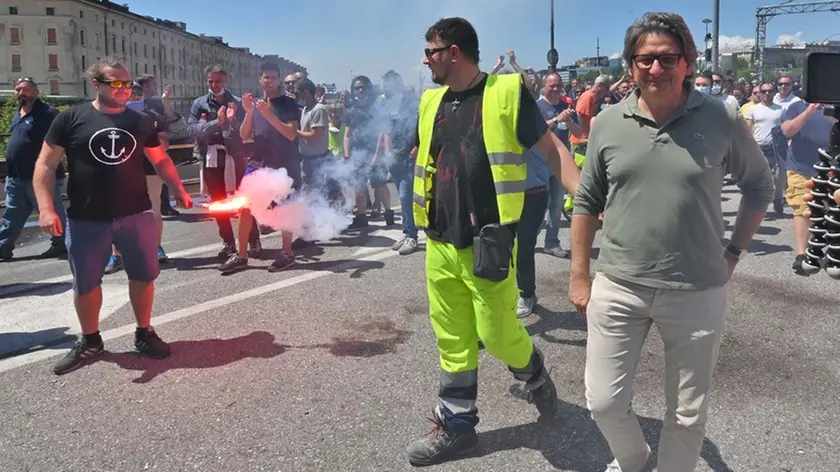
(590,75)
(742,68)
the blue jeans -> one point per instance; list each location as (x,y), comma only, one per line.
(20,203)
(403,176)
(529,226)
(556,198)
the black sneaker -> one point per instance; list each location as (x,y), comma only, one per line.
(283,262)
(55,250)
(797,265)
(227,251)
(233,264)
(389,218)
(543,394)
(150,344)
(6,256)
(81,353)
(441,445)
(359,221)
(254,249)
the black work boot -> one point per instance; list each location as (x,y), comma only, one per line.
(441,445)
(389,218)
(542,393)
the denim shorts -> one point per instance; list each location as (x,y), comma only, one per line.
(89,249)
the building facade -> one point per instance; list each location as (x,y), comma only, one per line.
(54,42)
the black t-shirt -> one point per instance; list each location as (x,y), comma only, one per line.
(401,116)
(364,130)
(105,155)
(463,167)
(271,148)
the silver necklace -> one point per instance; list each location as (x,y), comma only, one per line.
(457,102)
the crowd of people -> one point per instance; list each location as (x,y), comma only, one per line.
(479,164)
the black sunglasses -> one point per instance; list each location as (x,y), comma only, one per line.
(765,92)
(431,52)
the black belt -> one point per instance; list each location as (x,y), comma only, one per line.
(536,190)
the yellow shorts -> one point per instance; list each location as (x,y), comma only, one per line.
(795,191)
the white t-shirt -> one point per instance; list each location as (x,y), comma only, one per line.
(764,119)
(785,103)
(730,100)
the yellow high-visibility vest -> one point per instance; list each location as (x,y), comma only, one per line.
(500,115)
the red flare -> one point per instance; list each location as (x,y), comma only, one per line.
(226,206)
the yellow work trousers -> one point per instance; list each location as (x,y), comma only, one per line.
(464,309)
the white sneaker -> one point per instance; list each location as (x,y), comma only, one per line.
(408,247)
(525,306)
(397,245)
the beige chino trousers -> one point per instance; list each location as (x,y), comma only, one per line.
(690,322)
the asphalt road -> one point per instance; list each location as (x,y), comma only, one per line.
(332,366)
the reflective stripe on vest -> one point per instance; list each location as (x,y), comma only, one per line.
(500,115)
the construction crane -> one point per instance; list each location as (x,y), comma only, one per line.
(763,15)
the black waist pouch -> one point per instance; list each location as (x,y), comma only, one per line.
(492,252)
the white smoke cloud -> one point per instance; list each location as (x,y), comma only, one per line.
(274,203)
(615,55)
(790,39)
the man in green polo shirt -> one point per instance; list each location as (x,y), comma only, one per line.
(654,166)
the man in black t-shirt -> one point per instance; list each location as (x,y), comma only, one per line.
(463,190)
(105,145)
(361,142)
(273,122)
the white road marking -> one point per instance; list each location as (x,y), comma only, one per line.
(29,358)
(39,319)
(17,288)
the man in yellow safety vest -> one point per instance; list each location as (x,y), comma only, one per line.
(469,189)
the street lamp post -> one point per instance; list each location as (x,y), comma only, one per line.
(716,36)
(553,57)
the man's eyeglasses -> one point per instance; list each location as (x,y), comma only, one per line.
(784,84)
(117,84)
(765,92)
(666,61)
(432,51)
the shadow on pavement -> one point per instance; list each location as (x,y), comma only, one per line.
(571,440)
(200,354)
(29,289)
(552,320)
(375,338)
(17,344)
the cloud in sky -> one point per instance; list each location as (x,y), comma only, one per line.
(735,43)
(790,39)
(740,43)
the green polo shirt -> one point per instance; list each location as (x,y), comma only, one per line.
(659,187)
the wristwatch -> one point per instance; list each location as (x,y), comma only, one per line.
(734,251)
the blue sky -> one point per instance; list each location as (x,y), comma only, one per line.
(334,37)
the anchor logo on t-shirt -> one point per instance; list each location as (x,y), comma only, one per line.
(112,146)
